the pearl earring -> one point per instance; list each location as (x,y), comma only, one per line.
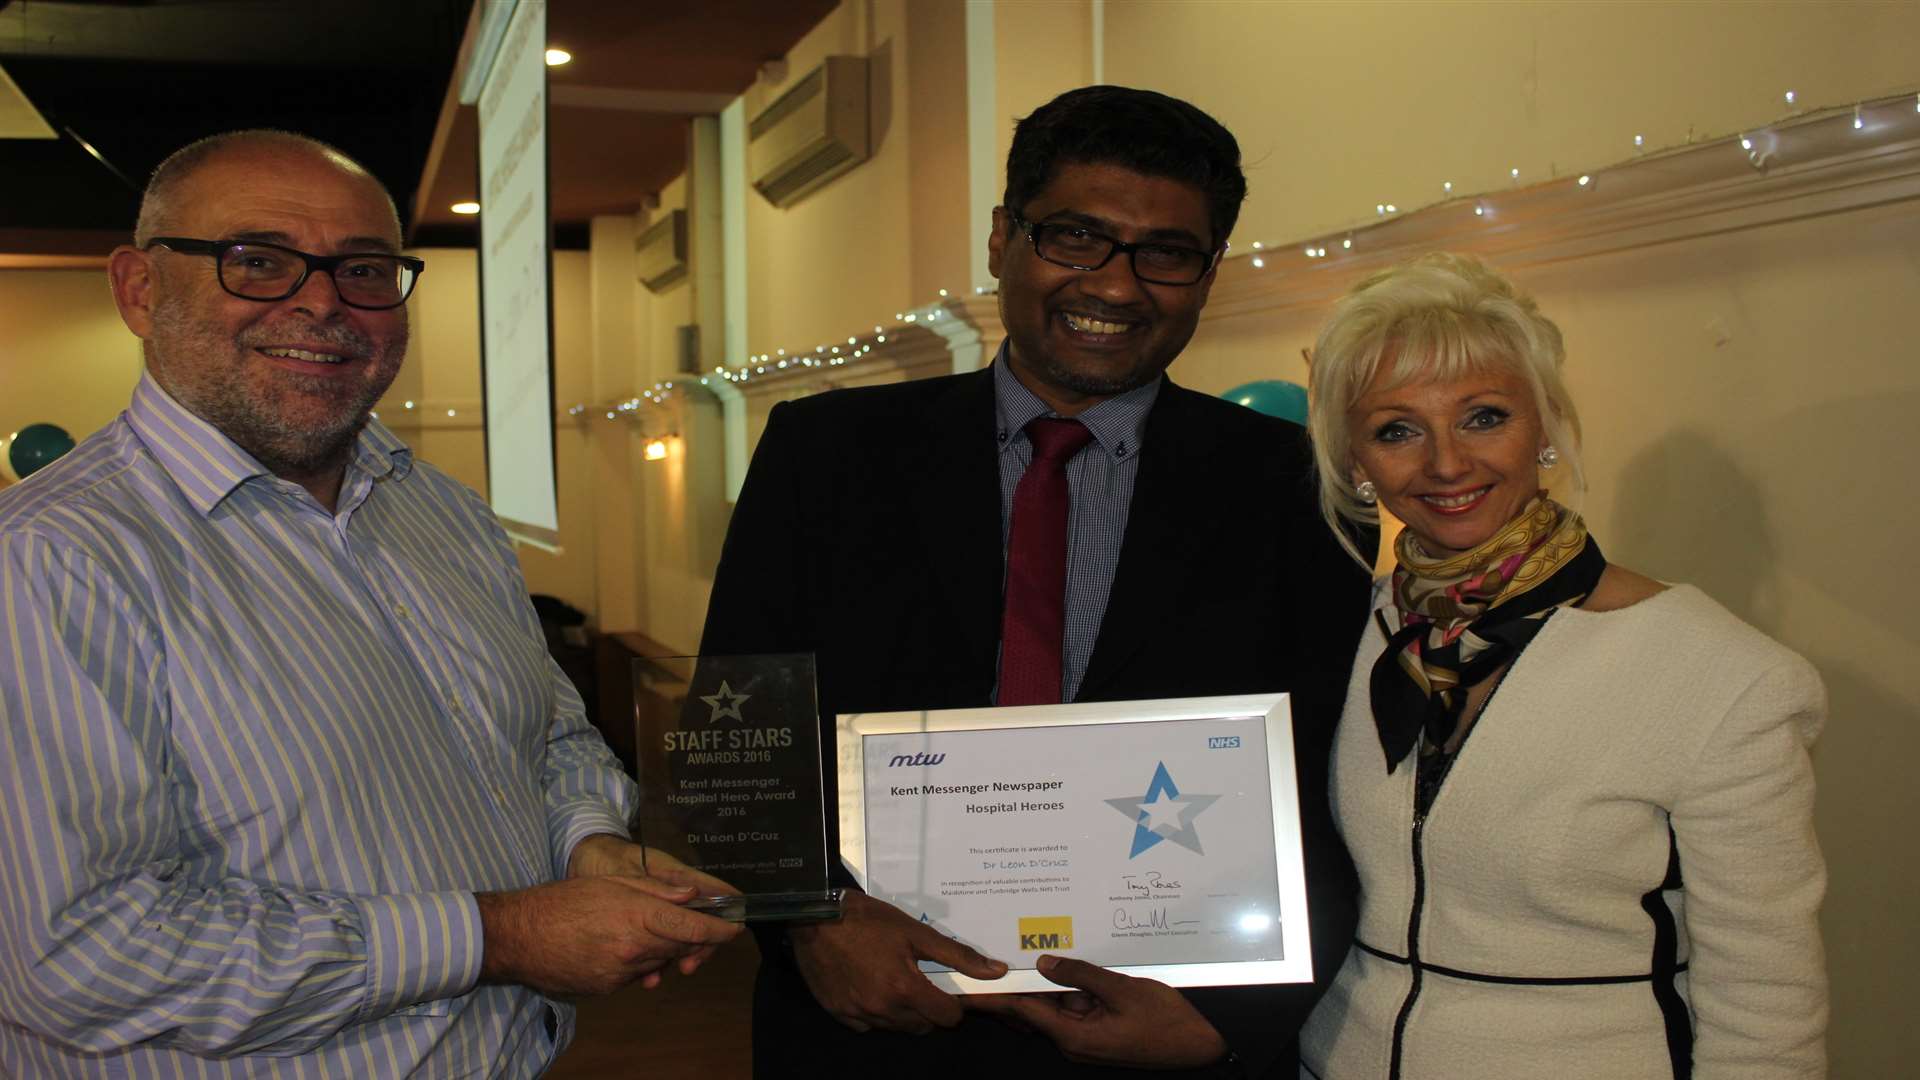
(1549,457)
(1367,492)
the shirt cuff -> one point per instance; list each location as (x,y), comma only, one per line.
(574,823)
(420,947)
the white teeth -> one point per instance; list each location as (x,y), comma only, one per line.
(1450,502)
(302,354)
(1094,326)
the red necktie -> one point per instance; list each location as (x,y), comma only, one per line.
(1034,622)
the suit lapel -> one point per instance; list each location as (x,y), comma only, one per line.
(956,494)
(1170,495)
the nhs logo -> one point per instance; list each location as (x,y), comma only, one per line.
(922,758)
(1223,742)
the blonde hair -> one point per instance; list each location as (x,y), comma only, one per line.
(1440,316)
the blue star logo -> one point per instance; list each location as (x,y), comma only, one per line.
(1164,814)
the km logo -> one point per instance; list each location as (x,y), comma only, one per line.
(1046,932)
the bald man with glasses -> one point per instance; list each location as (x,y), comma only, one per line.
(291,785)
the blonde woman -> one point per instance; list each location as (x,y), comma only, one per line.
(1579,799)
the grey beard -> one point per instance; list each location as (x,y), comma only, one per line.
(288,453)
(258,425)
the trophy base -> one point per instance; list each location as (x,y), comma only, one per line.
(773,907)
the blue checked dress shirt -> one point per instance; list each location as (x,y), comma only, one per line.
(255,758)
(1100,486)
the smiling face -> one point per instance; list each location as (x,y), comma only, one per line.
(290,381)
(1455,460)
(1078,337)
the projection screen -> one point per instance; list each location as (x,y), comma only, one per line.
(515,282)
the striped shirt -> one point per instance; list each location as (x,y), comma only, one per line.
(256,757)
(1100,487)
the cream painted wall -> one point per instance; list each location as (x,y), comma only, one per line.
(678,513)
(1339,106)
(65,356)
(891,233)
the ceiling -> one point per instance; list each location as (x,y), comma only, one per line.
(136,79)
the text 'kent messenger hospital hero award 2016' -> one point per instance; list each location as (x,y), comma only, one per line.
(728,760)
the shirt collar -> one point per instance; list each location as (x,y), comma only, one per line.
(1118,424)
(207,466)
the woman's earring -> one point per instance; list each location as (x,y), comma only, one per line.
(1549,457)
(1367,492)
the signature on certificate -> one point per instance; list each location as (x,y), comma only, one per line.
(1153,918)
(1147,882)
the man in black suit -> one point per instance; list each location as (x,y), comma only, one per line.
(880,529)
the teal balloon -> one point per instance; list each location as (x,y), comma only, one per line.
(1275,397)
(36,447)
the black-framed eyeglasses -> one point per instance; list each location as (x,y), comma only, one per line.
(372,281)
(1080,248)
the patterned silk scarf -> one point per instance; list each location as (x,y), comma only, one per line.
(1456,620)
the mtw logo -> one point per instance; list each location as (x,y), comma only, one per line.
(922,758)
(1046,932)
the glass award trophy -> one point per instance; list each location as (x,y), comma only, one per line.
(727,750)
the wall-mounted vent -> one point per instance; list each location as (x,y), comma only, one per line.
(660,252)
(813,133)
(687,343)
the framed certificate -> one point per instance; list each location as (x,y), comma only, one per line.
(1158,838)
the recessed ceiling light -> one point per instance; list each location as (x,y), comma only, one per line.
(556,57)
(465,208)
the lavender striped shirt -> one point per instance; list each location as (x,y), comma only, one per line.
(255,758)
(1100,492)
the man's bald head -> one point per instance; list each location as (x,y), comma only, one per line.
(160,205)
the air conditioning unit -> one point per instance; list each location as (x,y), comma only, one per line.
(813,133)
(660,252)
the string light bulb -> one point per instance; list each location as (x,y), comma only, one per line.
(1446,186)
(1790,97)
(1639,141)
(1585,179)
(1258,262)
(1857,122)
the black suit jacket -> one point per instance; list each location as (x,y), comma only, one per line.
(869,533)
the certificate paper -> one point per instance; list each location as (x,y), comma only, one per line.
(1158,838)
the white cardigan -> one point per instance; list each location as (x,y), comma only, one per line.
(1552,832)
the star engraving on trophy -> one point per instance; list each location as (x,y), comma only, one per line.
(1164,814)
(725,704)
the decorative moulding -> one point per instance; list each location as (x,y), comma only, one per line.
(1807,167)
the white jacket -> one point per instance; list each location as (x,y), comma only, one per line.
(1619,743)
